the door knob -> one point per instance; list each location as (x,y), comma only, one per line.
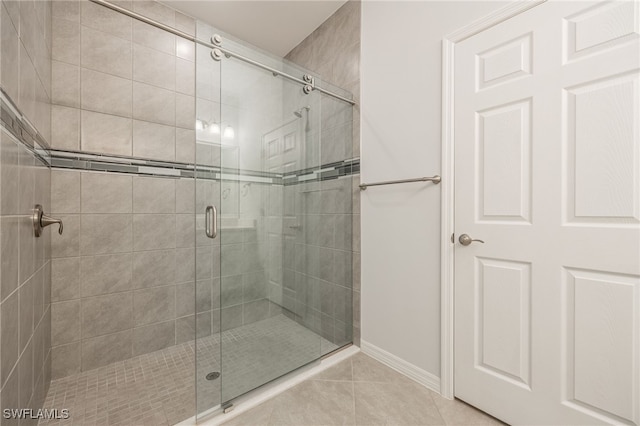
(465,240)
(40,220)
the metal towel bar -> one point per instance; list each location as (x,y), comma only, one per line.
(435,179)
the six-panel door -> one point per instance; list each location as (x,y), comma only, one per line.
(547,173)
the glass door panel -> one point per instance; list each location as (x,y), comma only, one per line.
(273,288)
(275,138)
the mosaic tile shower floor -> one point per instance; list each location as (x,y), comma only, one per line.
(158,388)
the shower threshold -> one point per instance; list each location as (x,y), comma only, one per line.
(224,413)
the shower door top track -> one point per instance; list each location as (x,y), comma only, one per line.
(227,52)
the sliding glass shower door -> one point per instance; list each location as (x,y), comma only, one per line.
(275,138)
(279,296)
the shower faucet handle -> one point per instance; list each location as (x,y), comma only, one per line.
(46,221)
(40,221)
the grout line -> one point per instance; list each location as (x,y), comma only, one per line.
(353,387)
(132,106)
(80,66)
(80,301)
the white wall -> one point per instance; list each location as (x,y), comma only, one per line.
(401,114)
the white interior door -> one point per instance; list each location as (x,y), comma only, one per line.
(282,151)
(547,173)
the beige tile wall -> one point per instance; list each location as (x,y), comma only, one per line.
(120,86)
(25,282)
(129,267)
(25,279)
(333,51)
(26,65)
(124,270)
(123,275)
(317,276)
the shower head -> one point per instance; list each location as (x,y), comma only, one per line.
(298,113)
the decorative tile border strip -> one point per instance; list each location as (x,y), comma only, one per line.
(324,172)
(16,125)
(19,128)
(111,163)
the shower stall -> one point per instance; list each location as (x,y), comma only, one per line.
(273,163)
(206,192)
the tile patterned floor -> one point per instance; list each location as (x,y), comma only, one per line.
(264,351)
(158,388)
(152,389)
(253,355)
(361,391)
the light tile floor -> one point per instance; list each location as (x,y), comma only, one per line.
(158,388)
(361,391)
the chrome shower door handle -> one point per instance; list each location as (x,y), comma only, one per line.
(211,221)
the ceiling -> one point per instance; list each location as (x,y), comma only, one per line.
(275,26)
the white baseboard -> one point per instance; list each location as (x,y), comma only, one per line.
(416,374)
